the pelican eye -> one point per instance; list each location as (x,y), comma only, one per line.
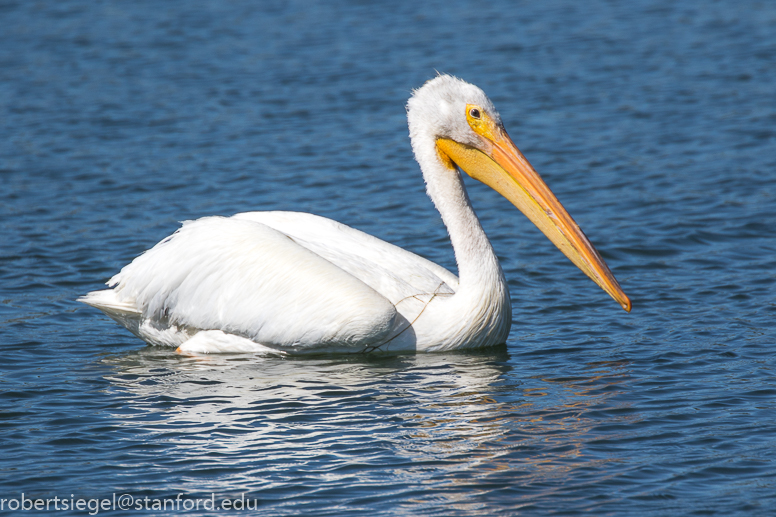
(474,113)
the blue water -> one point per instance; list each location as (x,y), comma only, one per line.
(653,121)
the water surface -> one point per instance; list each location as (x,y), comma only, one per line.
(652,121)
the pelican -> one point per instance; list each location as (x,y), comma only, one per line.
(289,282)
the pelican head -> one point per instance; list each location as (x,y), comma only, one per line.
(457,123)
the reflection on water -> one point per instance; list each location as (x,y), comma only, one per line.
(432,419)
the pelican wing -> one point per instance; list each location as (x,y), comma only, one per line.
(388,269)
(247,279)
(281,279)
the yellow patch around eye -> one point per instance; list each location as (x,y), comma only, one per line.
(484,125)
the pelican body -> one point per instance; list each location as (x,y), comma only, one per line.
(289,282)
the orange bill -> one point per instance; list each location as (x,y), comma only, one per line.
(504,168)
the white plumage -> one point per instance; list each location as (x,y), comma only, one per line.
(276,282)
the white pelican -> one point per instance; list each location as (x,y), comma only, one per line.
(288,282)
